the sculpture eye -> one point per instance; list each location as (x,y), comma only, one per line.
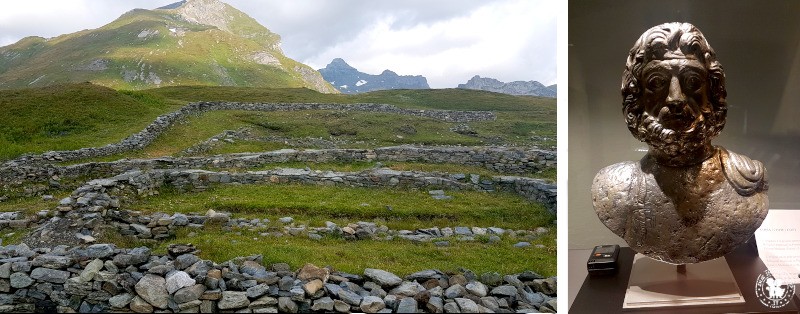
(656,82)
(692,82)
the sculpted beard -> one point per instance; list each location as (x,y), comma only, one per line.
(674,142)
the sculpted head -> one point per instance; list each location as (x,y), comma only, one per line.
(674,90)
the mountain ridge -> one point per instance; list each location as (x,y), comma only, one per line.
(193,42)
(350,80)
(527,88)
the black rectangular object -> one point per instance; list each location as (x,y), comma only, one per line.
(603,260)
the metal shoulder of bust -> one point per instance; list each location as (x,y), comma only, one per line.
(747,176)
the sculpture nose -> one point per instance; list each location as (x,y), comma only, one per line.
(676,95)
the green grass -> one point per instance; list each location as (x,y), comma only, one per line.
(65,117)
(72,116)
(316,204)
(398,256)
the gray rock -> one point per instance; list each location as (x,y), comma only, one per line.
(208,306)
(142,230)
(495,230)
(323,304)
(23,266)
(435,305)
(372,304)
(491,303)
(257,291)
(286,305)
(50,275)
(91,270)
(465,231)
(179,219)
(332,289)
(188,294)
(297,293)
(65,201)
(233,300)
(102,250)
(191,306)
(408,289)
(382,277)
(547,286)
(5,270)
(425,275)
(253,268)
(477,288)
(178,279)
(529,275)
(451,307)
(20,280)
(455,291)
(121,300)
(184,261)
(139,305)
(491,279)
(135,256)
(52,261)
(522,244)
(152,289)
(74,286)
(350,297)
(467,305)
(262,302)
(504,291)
(341,306)
(407,305)
(286,220)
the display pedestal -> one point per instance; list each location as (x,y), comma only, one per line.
(658,284)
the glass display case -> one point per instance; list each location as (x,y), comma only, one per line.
(758,44)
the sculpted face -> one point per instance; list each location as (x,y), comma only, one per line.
(676,109)
(675,94)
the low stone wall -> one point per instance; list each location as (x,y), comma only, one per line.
(103,278)
(148,182)
(500,159)
(163,122)
(96,202)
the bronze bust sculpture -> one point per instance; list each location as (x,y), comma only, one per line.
(685,201)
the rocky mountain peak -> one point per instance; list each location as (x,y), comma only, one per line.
(530,88)
(349,80)
(208,12)
(340,64)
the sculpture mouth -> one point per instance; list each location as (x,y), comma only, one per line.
(678,118)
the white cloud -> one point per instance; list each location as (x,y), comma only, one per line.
(447,41)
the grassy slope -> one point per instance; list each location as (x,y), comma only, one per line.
(313,205)
(81,115)
(204,55)
(72,116)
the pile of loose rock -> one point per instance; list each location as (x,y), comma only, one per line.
(102,278)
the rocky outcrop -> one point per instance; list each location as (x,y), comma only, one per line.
(103,278)
(529,88)
(348,80)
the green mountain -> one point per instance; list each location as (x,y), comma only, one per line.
(193,42)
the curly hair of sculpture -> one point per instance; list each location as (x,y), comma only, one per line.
(686,201)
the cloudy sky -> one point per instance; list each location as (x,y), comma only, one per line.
(446,41)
